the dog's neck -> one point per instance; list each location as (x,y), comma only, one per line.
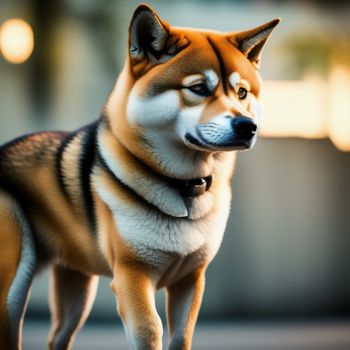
(174,197)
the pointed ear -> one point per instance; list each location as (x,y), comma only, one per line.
(251,42)
(150,38)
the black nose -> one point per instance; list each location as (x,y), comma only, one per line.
(244,127)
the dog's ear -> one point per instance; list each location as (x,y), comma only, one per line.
(251,42)
(151,40)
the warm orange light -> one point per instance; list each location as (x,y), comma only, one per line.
(339,114)
(294,109)
(311,108)
(16,40)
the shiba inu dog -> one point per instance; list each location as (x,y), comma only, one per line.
(141,195)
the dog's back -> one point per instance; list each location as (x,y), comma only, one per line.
(48,176)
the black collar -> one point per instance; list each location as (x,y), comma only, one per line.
(187,188)
(192,188)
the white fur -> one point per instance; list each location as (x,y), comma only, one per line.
(170,151)
(145,228)
(201,206)
(217,130)
(212,79)
(155,111)
(188,119)
(234,79)
(19,290)
(177,160)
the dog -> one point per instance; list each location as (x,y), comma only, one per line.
(141,195)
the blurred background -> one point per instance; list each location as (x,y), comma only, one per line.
(286,254)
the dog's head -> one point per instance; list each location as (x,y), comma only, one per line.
(187,89)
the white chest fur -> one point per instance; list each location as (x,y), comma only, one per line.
(146,228)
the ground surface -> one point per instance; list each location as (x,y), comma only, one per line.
(276,336)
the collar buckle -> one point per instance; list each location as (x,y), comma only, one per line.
(194,188)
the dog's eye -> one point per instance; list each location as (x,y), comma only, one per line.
(242,93)
(200,89)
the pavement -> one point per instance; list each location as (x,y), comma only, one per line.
(212,336)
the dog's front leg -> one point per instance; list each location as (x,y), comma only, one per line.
(184,299)
(135,292)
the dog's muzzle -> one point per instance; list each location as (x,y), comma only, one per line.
(236,133)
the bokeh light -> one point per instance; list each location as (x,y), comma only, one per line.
(339,123)
(16,40)
(311,108)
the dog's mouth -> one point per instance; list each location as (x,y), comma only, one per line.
(230,143)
